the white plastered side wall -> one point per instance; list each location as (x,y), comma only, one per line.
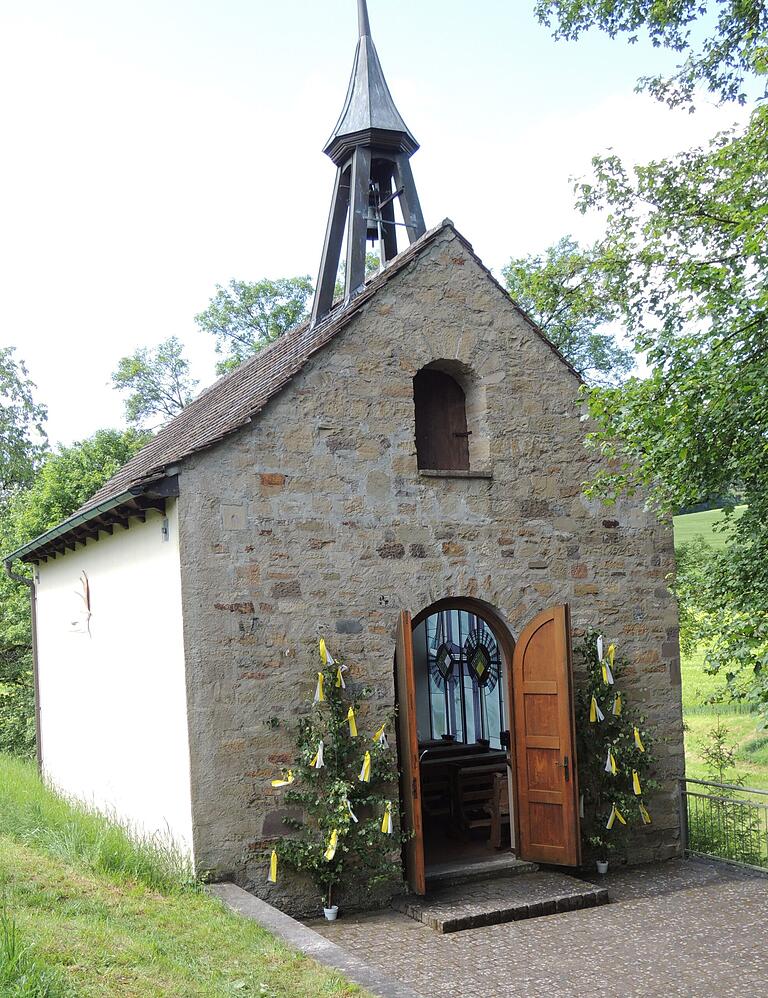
(113,711)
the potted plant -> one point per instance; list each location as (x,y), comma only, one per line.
(344,780)
(614,753)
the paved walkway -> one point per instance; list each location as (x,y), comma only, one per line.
(690,928)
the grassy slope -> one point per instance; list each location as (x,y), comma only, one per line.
(99,930)
(698,687)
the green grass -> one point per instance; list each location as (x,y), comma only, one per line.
(22,975)
(93,912)
(700,689)
(692,525)
(742,732)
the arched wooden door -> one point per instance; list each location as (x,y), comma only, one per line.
(545,749)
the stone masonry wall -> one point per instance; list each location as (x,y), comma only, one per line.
(315,521)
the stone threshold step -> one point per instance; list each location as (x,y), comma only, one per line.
(508,899)
(449,874)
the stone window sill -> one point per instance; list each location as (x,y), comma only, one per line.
(437,473)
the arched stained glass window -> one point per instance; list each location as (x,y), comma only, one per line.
(466,697)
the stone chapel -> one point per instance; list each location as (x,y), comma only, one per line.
(401,474)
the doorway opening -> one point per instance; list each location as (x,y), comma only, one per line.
(461,661)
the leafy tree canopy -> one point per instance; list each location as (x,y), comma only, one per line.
(22,437)
(685,259)
(724,42)
(157,382)
(66,480)
(245,317)
(563,292)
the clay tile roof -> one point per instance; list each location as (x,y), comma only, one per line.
(233,401)
(237,397)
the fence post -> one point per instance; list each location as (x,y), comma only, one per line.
(683,804)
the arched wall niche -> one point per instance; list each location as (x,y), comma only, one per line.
(451,418)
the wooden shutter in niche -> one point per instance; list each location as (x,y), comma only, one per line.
(442,442)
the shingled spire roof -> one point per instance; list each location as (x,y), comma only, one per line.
(371,146)
(369,115)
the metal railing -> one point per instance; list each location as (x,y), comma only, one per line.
(726,821)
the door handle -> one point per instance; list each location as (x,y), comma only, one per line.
(564,765)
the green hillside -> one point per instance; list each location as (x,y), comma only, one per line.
(700,689)
(704,524)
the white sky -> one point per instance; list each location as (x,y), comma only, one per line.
(154,149)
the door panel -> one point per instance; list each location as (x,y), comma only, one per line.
(408,749)
(547,785)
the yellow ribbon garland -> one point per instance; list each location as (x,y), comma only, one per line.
(636,783)
(595,714)
(352,722)
(386,822)
(319,691)
(333,842)
(639,741)
(644,814)
(614,816)
(272,876)
(284,781)
(365,772)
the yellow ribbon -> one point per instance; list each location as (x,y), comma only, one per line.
(610,763)
(340,684)
(352,722)
(318,759)
(386,822)
(365,772)
(595,714)
(607,674)
(615,815)
(272,878)
(333,842)
(319,692)
(325,655)
(639,741)
(636,783)
(644,814)
(284,781)
(352,814)
(611,654)
(380,736)
(617,705)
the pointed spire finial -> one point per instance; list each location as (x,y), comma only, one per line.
(371,147)
(362,17)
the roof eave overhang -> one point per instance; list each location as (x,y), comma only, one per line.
(103,517)
(341,147)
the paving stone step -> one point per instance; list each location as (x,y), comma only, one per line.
(449,874)
(505,899)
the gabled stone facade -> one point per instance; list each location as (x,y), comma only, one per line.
(315,520)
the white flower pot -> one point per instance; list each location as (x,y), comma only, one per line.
(331,913)
(602,866)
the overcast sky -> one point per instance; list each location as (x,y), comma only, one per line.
(155,148)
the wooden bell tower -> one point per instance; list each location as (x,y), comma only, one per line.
(371,147)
